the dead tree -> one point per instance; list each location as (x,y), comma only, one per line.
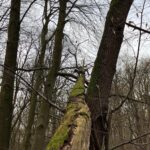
(75,127)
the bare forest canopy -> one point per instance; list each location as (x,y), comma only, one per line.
(74,75)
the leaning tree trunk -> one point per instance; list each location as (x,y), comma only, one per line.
(6,94)
(75,127)
(43,116)
(103,71)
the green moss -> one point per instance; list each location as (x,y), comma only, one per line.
(95,76)
(62,133)
(114,2)
(71,106)
(74,109)
(78,88)
(60,136)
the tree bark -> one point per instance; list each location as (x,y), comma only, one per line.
(74,130)
(42,122)
(103,71)
(38,81)
(6,94)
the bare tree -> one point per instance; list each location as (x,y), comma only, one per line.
(43,117)
(103,72)
(6,94)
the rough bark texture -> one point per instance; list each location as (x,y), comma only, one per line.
(42,122)
(103,71)
(74,130)
(38,81)
(6,94)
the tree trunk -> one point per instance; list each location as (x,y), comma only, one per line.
(38,81)
(74,130)
(103,71)
(6,94)
(42,122)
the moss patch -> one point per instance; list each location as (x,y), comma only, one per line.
(62,134)
(74,109)
(78,88)
(114,2)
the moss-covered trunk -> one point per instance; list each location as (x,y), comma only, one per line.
(75,127)
(6,94)
(43,117)
(103,71)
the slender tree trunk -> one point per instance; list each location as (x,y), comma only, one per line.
(42,122)
(74,130)
(104,69)
(6,94)
(37,84)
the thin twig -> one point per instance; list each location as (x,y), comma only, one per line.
(130,141)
